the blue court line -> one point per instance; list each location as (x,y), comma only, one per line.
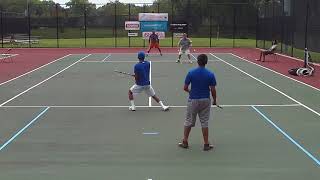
(24,128)
(287,136)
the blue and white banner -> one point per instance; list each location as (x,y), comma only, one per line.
(153,16)
(148,26)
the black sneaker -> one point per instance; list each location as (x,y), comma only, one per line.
(183,145)
(207,147)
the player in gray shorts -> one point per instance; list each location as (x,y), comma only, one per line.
(202,83)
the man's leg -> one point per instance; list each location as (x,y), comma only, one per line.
(260,56)
(186,133)
(131,99)
(189,55)
(179,56)
(160,51)
(150,92)
(135,89)
(204,116)
(190,121)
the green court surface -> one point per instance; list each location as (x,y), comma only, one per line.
(70,120)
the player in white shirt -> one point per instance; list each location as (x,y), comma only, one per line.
(184,44)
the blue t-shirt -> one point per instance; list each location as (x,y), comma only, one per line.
(142,69)
(201,79)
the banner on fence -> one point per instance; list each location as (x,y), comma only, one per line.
(132,34)
(179,27)
(153,16)
(146,35)
(132,25)
(154,26)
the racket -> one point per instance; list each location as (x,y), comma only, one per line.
(122,72)
(220,107)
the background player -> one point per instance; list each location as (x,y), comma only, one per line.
(184,45)
(154,42)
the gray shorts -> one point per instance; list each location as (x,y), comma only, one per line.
(200,107)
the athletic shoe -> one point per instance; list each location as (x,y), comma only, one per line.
(132,108)
(178,61)
(190,62)
(183,145)
(165,108)
(160,54)
(207,147)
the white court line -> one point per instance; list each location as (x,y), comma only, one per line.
(276,72)
(106,58)
(297,59)
(10,55)
(42,81)
(150,75)
(226,105)
(34,70)
(153,61)
(266,84)
(193,56)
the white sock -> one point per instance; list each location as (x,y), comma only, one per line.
(132,103)
(161,103)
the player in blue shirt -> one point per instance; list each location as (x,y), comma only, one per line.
(142,77)
(202,83)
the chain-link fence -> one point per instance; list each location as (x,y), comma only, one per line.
(294,23)
(102,25)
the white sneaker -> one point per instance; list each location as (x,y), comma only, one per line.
(165,108)
(132,108)
(190,61)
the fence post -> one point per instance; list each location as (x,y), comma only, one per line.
(1,26)
(29,23)
(85,24)
(129,20)
(144,10)
(291,27)
(282,26)
(264,30)
(234,26)
(257,27)
(57,24)
(210,24)
(172,22)
(306,28)
(158,4)
(115,24)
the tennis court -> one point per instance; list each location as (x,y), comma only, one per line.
(70,120)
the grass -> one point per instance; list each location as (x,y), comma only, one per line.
(168,42)
(138,42)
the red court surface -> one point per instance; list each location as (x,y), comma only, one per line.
(29,59)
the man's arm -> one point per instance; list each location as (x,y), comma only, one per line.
(136,77)
(187,81)
(186,88)
(213,94)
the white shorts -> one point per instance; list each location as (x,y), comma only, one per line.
(186,51)
(136,89)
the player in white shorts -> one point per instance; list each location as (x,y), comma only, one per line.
(184,45)
(142,77)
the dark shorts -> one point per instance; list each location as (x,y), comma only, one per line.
(200,107)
